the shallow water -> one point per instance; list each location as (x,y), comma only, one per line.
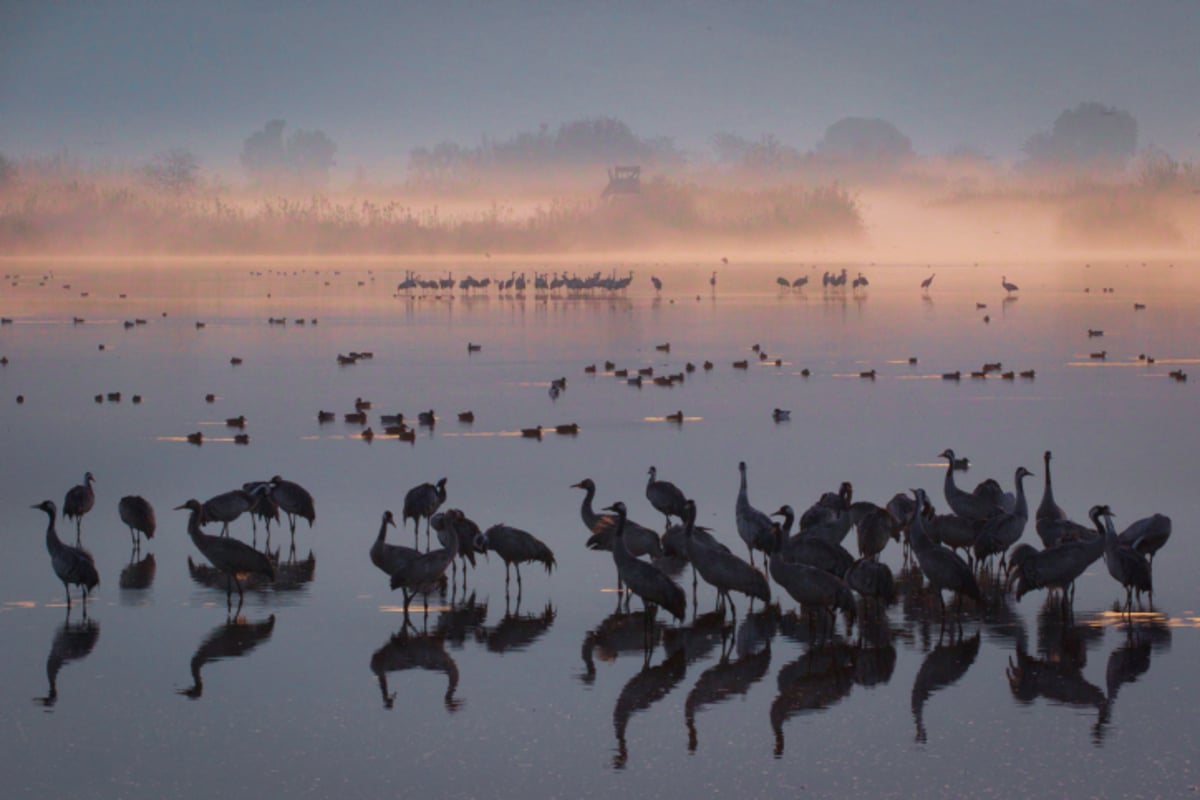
(311,693)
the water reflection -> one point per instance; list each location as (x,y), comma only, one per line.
(722,681)
(516,631)
(404,651)
(460,619)
(72,642)
(643,690)
(290,575)
(138,574)
(233,639)
(619,632)
(943,667)
(815,681)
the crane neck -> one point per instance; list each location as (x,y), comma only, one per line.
(590,517)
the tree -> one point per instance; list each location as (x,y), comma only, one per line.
(304,159)
(1089,136)
(174,171)
(873,142)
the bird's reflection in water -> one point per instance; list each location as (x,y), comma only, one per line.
(727,678)
(138,574)
(516,631)
(72,642)
(643,690)
(944,666)
(619,632)
(700,638)
(1056,674)
(875,652)
(293,574)
(815,681)
(411,650)
(1131,659)
(460,619)
(290,575)
(233,639)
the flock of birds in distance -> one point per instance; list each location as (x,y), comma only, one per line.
(812,565)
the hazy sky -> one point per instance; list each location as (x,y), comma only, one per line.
(122,80)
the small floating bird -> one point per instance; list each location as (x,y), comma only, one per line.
(79,501)
(532,433)
(72,565)
(195,438)
(781,415)
(466,416)
(569,429)
(236,559)
(136,512)
(677,417)
(236,422)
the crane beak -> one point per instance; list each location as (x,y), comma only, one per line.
(180,508)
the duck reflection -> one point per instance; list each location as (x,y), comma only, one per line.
(404,651)
(724,680)
(516,631)
(233,639)
(72,642)
(643,690)
(944,666)
(138,574)
(815,681)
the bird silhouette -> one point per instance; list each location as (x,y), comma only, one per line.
(137,513)
(78,501)
(236,559)
(72,565)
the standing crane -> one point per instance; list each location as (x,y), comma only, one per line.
(136,512)
(236,559)
(78,501)
(72,565)
(643,578)
(423,501)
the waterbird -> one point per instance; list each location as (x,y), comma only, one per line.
(195,438)
(390,558)
(941,567)
(723,570)
(294,501)
(1008,286)
(225,508)
(1147,535)
(72,565)
(808,586)
(1127,566)
(665,496)
(976,505)
(568,429)
(516,547)
(236,559)
(925,284)
(642,578)
(137,513)
(78,501)
(1048,511)
(639,540)
(781,415)
(453,522)
(236,422)
(423,571)
(423,501)
(1057,566)
(1003,529)
(753,526)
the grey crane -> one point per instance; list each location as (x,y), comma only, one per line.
(809,586)
(976,505)
(925,284)
(1147,535)
(78,501)
(1003,530)
(874,525)
(225,508)
(454,522)
(516,547)
(264,508)
(390,558)
(753,526)
(1130,568)
(643,578)
(1057,567)
(72,565)
(872,580)
(665,496)
(955,532)
(831,507)
(1048,511)
(723,570)
(657,283)
(639,540)
(293,500)
(1009,286)
(137,513)
(423,501)
(423,571)
(814,551)
(940,565)
(236,559)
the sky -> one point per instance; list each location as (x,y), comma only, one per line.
(117,81)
